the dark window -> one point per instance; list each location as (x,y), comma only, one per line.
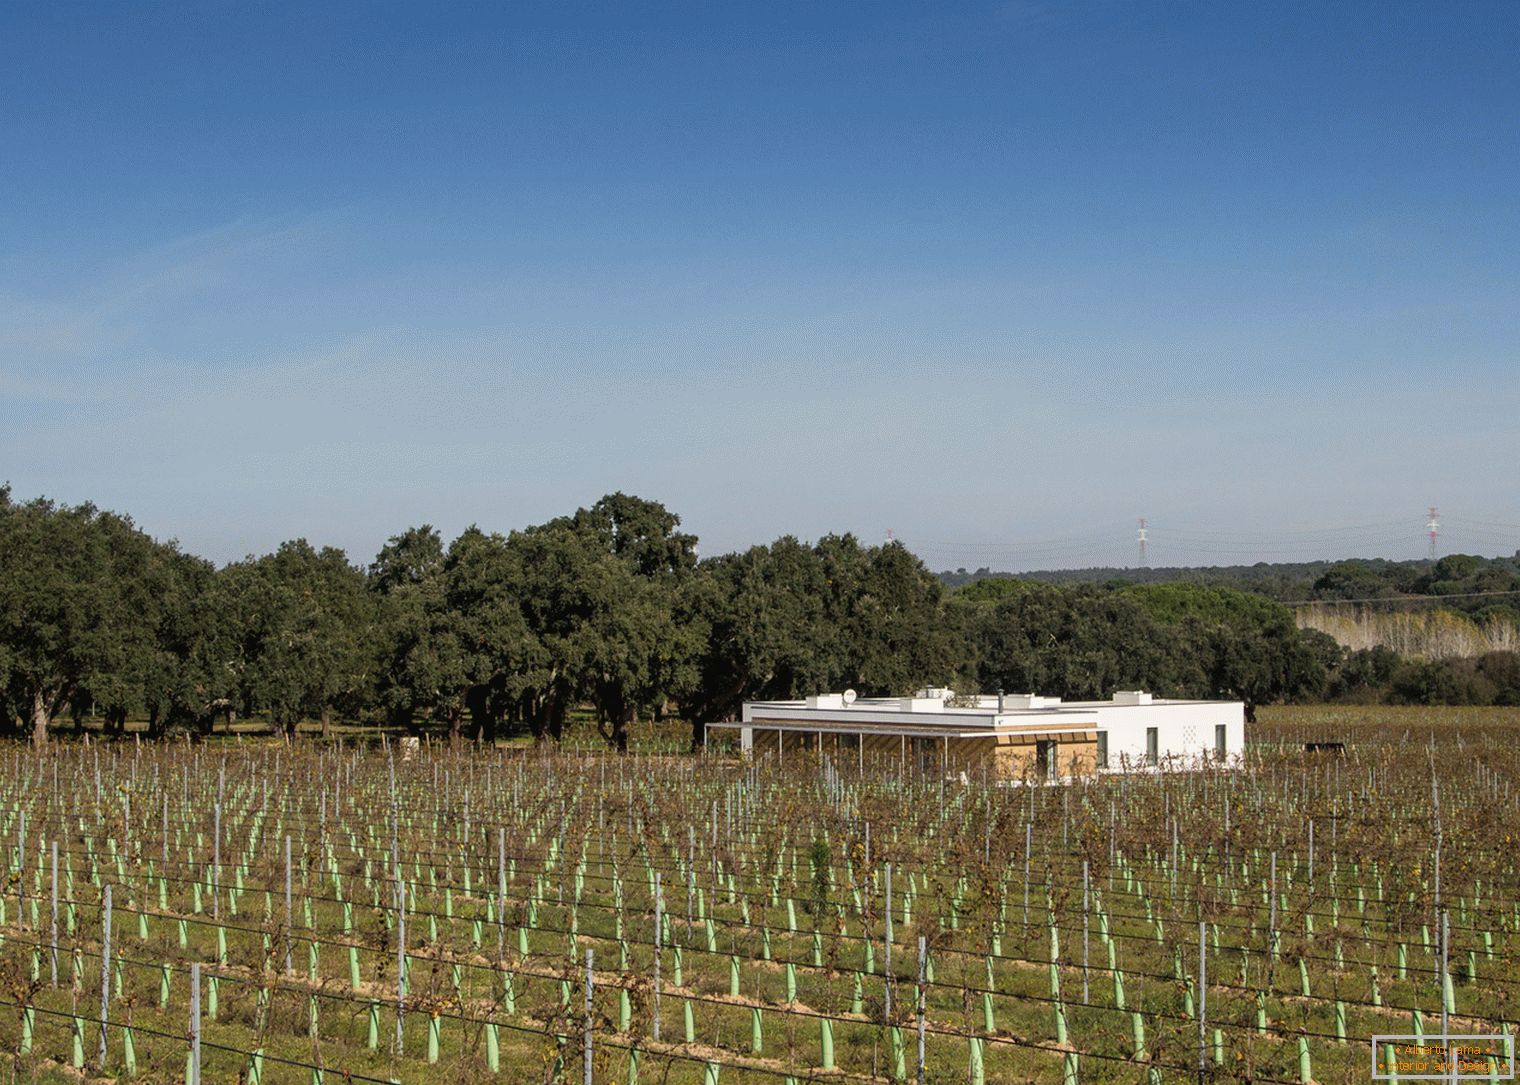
(849,742)
(1151,746)
(1045,760)
(1103,749)
(1221,746)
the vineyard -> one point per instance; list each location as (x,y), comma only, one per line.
(331,912)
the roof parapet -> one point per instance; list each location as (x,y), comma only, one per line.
(1009,702)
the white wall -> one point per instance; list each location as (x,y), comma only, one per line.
(1183,731)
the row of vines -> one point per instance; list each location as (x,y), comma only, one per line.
(263,913)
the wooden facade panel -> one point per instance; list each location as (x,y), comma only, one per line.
(1015,760)
(1079,758)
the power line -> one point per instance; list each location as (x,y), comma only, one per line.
(1194,546)
(1396,599)
(1485,523)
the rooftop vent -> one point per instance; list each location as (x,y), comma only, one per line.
(826,700)
(920,704)
(1008,702)
(1131,697)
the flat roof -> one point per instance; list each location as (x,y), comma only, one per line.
(894,704)
(908,727)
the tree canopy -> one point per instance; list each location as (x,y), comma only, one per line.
(608,610)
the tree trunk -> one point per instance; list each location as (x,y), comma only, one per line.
(42,715)
(722,705)
(554,708)
(614,714)
(532,711)
(326,720)
(456,718)
(479,700)
(620,729)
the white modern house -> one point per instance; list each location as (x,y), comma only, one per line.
(1002,736)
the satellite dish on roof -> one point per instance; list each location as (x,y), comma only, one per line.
(849,696)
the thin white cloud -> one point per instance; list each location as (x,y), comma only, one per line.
(116,315)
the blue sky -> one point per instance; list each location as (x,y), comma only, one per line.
(999,276)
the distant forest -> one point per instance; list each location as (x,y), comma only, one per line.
(607,610)
(1481,587)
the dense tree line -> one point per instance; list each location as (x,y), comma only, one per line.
(1480,587)
(607,610)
